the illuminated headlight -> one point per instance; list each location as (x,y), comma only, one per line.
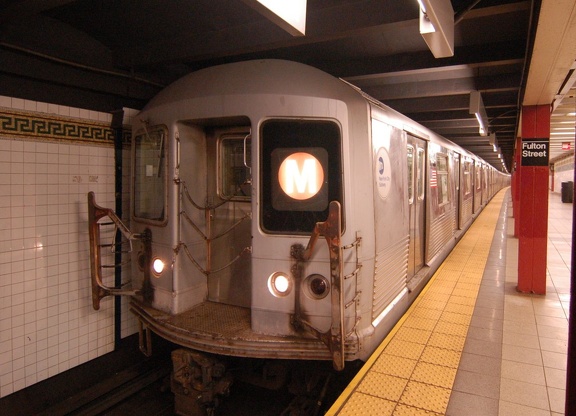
(158,266)
(316,286)
(280,284)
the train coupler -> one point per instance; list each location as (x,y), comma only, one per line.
(199,382)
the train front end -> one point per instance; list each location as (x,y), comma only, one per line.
(239,189)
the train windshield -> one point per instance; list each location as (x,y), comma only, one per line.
(150,174)
(301,173)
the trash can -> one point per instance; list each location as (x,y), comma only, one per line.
(567,191)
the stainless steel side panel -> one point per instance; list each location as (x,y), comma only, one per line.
(391,215)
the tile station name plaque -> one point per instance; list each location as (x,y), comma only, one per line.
(535,152)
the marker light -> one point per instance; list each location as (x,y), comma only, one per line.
(279,284)
(317,286)
(301,176)
(158,266)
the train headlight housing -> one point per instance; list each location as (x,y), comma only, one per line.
(158,266)
(280,284)
(142,261)
(316,286)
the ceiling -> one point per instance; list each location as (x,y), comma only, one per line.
(105,55)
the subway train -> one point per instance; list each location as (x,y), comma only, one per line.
(279,212)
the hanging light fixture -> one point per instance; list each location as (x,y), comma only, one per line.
(493,141)
(477,108)
(289,15)
(437,26)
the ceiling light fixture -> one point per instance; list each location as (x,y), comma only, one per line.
(289,15)
(437,26)
(493,141)
(477,108)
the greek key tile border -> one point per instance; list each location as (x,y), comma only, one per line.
(18,124)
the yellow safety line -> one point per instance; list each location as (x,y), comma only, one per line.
(435,362)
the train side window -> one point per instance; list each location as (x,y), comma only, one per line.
(420,174)
(467,179)
(150,174)
(442,178)
(410,157)
(478,179)
(235,175)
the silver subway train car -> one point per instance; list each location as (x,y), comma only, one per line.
(279,212)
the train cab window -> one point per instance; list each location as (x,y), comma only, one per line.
(442,178)
(301,173)
(150,174)
(235,173)
(410,157)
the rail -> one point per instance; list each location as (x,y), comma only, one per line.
(95,214)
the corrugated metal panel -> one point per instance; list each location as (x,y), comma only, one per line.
(466,213)
(389,275)
(441,231)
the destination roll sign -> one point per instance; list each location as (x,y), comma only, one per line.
(535,152)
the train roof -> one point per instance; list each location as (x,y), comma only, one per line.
(275,77)
(266,76)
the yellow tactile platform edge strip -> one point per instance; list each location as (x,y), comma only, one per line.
(412,372)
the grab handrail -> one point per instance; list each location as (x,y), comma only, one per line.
(331,229)
(95,214)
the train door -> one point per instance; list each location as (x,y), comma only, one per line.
(477,186)
(416,159)
(230,224)
(484,184)
(458,198)
(215,213)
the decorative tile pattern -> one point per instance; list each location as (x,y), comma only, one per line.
(19,124)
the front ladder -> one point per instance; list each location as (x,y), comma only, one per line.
(331,229)
(95,214)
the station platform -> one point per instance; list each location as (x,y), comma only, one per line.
(471,344)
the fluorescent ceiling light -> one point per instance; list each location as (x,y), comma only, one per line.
(492,139)
(477,108)
(437,26)
(482,126)
(290,15)
(422,5)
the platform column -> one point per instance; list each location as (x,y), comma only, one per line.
(533,199)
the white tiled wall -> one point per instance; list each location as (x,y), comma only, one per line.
(563,172)
(47,323)
(59,110)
